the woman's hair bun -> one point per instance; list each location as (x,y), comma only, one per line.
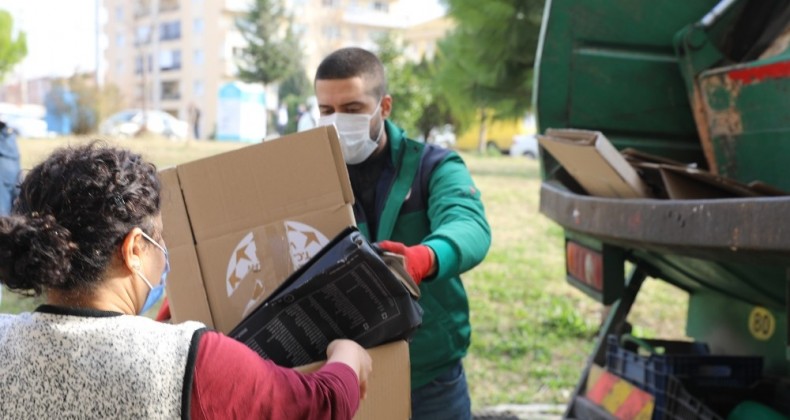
(35,253)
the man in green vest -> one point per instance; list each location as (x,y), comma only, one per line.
(416,200)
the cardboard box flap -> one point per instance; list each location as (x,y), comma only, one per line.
(183,258)
(637,156)
(248,187)
(690,183)
(177,231)
(340,163)
(388,396)
(594,163)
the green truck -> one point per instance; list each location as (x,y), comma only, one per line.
(707,83)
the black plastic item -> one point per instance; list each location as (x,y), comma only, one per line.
(708,382)
(681,405)
(345,291)
(588,410)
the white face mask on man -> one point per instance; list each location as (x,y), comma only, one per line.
(354,131)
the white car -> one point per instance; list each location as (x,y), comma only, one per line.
(129,123)
(524,145)
(443,136)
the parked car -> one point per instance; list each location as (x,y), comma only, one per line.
(132,122)
(25,120)
(443,136)
(524,145)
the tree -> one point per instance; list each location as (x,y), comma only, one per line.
(488,58)
(293,92)
(91,104)
(437,111)
(272,52)
(410,94)
(12,50)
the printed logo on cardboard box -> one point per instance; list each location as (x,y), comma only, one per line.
(244,262)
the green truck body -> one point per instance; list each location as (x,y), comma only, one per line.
(704,82)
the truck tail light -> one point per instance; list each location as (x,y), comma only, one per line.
(584,265)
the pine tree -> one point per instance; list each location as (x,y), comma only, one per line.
(488,58)
(271,54)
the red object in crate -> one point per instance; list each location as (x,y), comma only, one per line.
(617,396)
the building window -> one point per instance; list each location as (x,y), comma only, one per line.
(138,64)
(142,8)
(119,13)
(376,35)
(170,30)
(330,32)
(381,6)
(168,5)
(197,26)
(142,35)
(329,3)
(119,67)
(139,92)
(170,90)
(170,60)
(119,40)
(197,88)
(198,58)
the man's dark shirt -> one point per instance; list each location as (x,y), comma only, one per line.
(365,178)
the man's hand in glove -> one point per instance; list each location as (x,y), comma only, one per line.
(420,259)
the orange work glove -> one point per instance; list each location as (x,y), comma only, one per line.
(418,258)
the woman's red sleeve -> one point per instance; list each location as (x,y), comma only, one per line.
(232,381)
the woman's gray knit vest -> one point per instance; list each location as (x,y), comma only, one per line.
(80,367)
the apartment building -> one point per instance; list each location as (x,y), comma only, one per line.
(174,54)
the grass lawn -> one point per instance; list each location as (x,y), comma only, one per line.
(532,332)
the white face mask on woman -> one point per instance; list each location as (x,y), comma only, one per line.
(354,131)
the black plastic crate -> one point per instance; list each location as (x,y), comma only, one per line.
(715,382)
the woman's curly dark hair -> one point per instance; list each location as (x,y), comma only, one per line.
(73,211)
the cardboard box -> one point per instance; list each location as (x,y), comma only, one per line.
(388,396)
(594,163)
(683,183)
(239,223)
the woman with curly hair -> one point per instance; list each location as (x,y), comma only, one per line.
(86,232)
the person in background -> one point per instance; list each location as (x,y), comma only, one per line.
(9,172)
(416,200)
(86,232)
(309,118)
(194,120)
(282,119)
(9,168)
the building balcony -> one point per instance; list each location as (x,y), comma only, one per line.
(369,17)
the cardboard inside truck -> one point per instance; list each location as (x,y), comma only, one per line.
(594,163)
(239,223)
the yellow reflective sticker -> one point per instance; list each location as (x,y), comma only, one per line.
(761,323)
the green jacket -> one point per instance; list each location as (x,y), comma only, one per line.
(428,197)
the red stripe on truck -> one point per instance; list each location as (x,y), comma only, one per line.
(758,74)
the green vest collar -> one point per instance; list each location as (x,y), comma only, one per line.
(396,137)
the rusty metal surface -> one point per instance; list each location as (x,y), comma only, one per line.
(717,229)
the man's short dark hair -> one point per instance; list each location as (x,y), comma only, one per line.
(346,63)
